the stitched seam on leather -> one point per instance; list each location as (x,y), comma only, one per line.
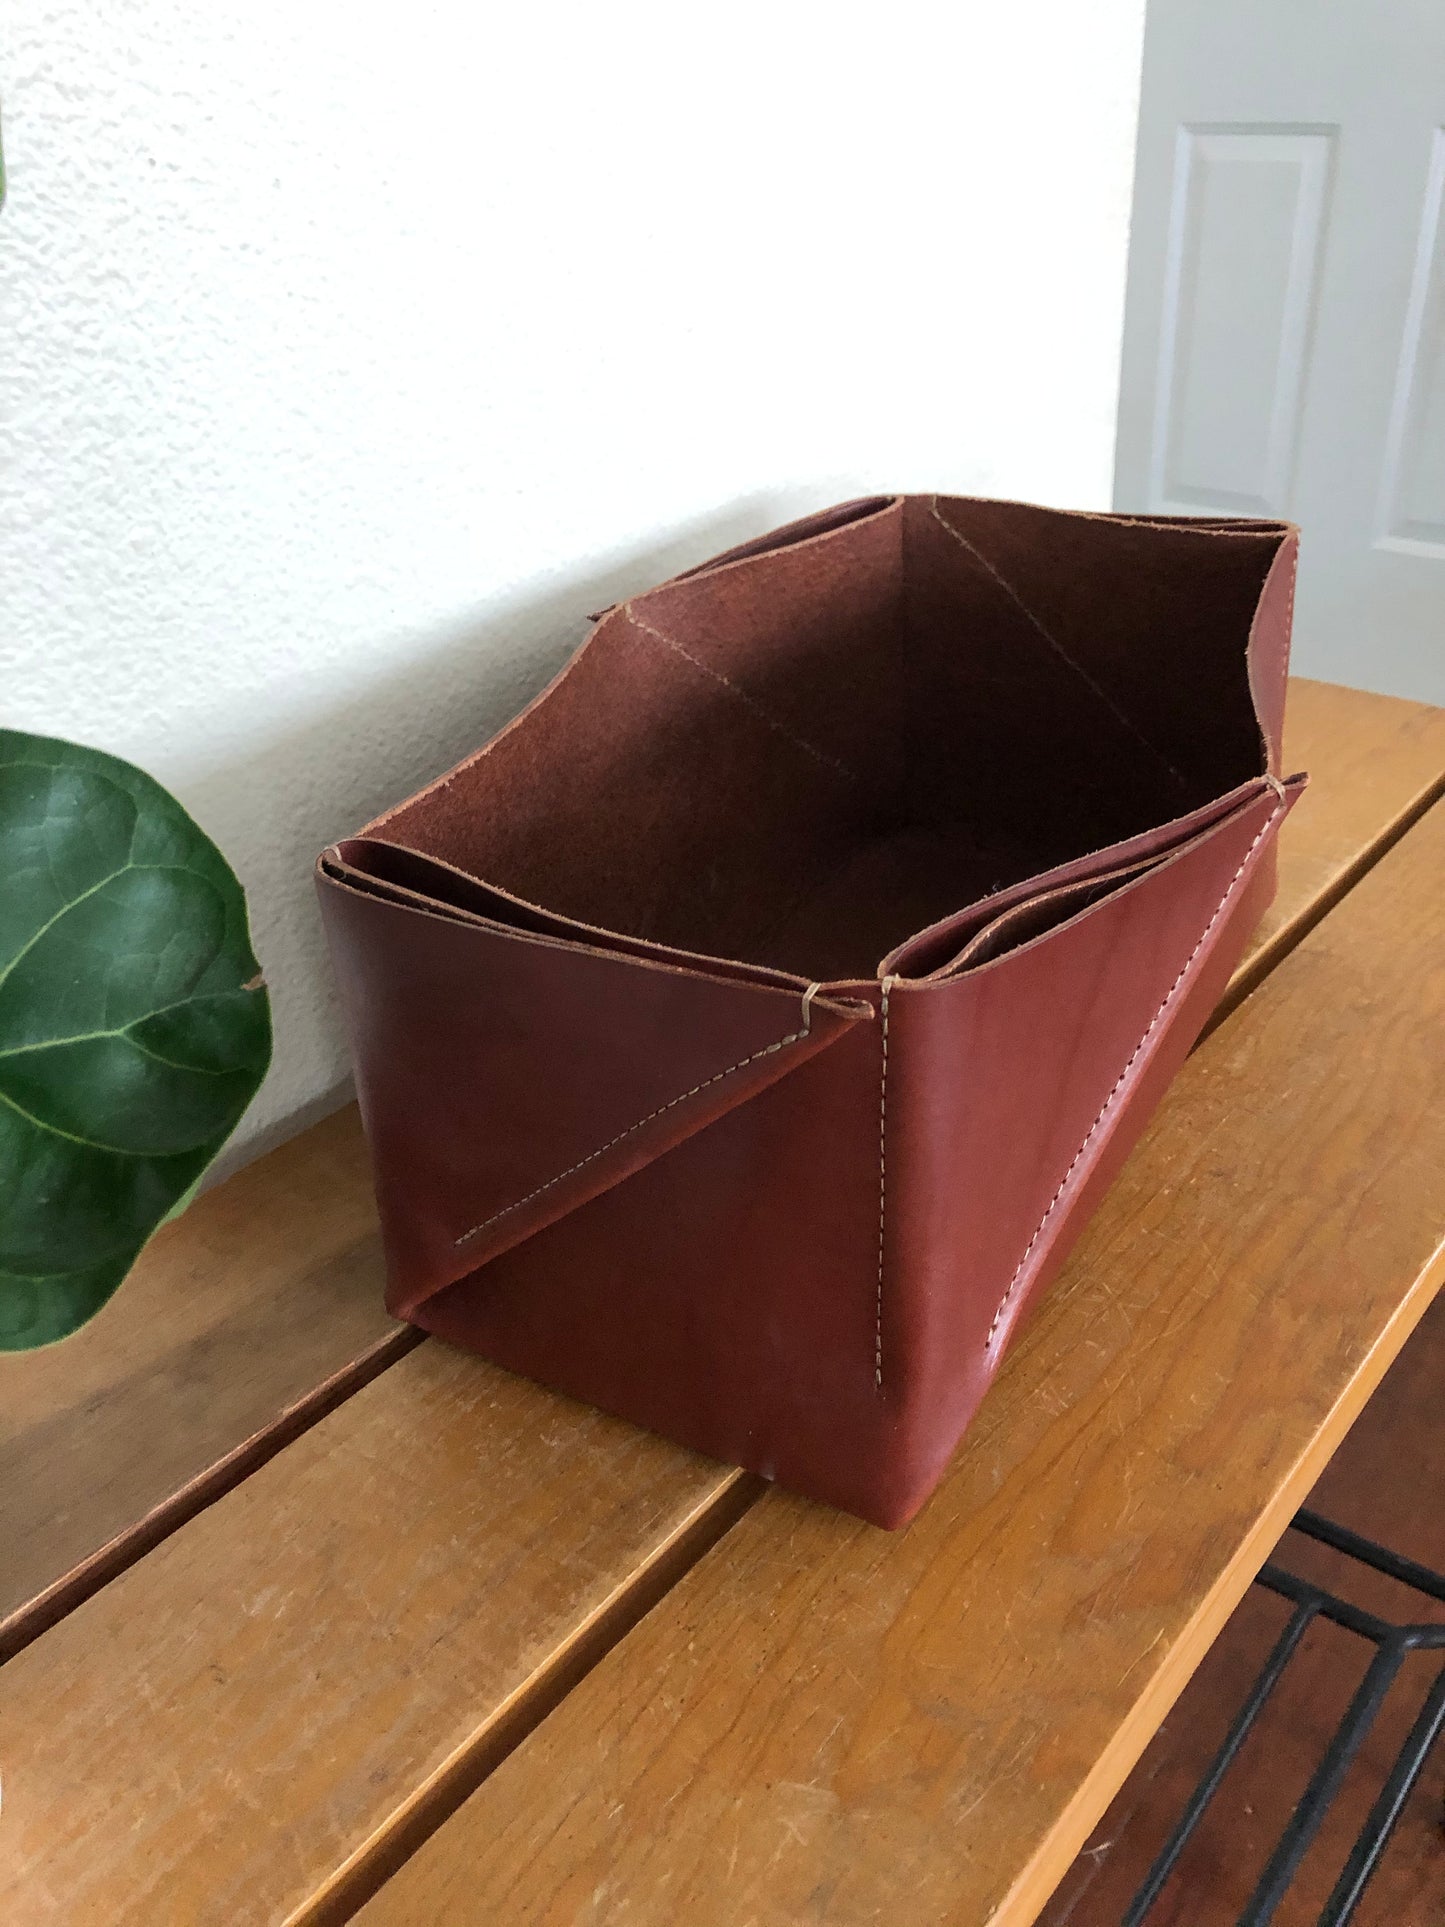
(882,1191)
(749,702)
(1120,716)
(767,1051)
(1288,627)
(1108,1103)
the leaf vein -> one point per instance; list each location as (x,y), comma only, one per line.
(64,910)
(85,1143)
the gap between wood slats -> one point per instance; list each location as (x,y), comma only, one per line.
(1253,971)
(410,1825)
(38,1615)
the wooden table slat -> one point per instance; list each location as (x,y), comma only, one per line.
(1374,761)
(218,1731)
(264,1298)
(822,1723)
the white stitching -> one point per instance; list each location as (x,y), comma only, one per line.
(716,1078)
(1093,1131)
(1288,629)
(749,702)
(882,1190)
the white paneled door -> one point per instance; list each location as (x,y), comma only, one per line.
(1284,345)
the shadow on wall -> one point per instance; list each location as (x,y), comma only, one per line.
(272,813)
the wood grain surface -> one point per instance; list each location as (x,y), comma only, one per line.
(1377,764)
(267,1289)
(214,1734)
(825,1723)
(263,1305)
(256,1720)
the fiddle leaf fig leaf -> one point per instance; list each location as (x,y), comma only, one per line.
(134,1029)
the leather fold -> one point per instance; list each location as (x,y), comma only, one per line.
(562,1069)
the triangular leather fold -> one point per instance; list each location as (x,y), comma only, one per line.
(558,1069)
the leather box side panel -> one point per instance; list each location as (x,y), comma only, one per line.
(505,1079)
(1016,1092)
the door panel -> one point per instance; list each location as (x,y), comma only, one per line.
(1413,494)
(1284,349)
(1239,292)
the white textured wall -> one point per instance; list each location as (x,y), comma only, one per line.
(350,354)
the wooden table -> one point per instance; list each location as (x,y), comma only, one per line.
(302,1615)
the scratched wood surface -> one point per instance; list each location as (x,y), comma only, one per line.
(266,1298)
(824,1723)
(286,1693)
(268,1287)
(213,1735)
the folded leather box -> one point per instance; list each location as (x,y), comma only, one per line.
(744,1034)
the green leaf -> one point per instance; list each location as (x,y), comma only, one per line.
(134,1030)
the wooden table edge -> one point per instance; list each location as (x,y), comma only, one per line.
(1257,966)
(1054,1855)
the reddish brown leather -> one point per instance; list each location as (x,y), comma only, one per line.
(745,1033)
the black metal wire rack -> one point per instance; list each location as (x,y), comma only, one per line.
(1393,1643)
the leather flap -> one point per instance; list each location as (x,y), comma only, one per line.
(507,1076)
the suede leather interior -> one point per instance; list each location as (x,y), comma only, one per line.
(812,748)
